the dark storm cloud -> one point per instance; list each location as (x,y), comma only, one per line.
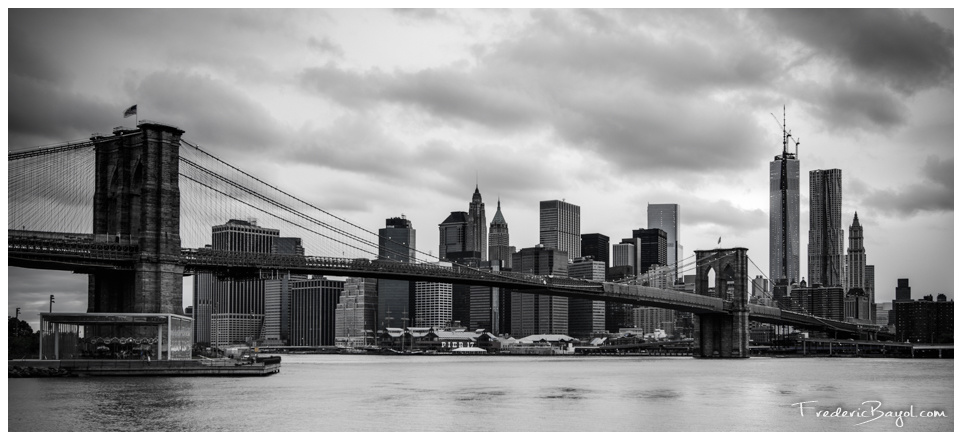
(219,116)
(42,113)
(632,98)
(845,105)
(444,93)
(900,49)
(357,143)
(933,193)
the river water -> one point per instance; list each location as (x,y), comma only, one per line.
(503,393)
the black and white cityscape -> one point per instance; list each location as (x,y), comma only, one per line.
(571,213)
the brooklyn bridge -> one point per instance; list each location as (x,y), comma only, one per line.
(131,209)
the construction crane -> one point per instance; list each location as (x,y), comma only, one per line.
(786,135)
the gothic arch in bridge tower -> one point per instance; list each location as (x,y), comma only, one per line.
(723,334)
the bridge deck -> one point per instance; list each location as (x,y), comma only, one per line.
(89,253)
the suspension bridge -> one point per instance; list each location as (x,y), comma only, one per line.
(154,196)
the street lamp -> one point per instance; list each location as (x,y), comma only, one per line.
(51,303)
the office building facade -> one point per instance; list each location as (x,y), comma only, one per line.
(825,234)
(925,321)
(650,319)
(397,241)
(433,303)
(235,311)
(313,314)
(598,247)
(560,227)
(783,217)
(356,313)
(539,314)
(665,216)
(586,317)
(651,249)
(825,302)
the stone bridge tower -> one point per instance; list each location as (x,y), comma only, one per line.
(723,335)
(137,202)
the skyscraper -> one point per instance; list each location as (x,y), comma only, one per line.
(356,313)
(455,239)
(397,241)
(536,314)
(313,311)
(870,288)
(499,247)
(651,249)
(855,264)
(433,303)
(623,258)
(561,227)
(903,292)
(478,225)
(618,315)
(783,250)
(665,217)
(586,317)
(597,247)
(231,311)
(486,303)
(825,234)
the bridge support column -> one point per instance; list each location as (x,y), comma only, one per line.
(137,202)
(723,334)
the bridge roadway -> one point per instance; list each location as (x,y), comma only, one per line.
(85,253)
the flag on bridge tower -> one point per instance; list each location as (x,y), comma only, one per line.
(130,111)
(719,240)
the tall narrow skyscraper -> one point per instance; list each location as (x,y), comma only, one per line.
(870,288)
(825,234)
(478,224)
(855,274)
(395,298)
(783,250)
(561,227)
(665,217)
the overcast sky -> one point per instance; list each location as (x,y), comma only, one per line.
(375,113)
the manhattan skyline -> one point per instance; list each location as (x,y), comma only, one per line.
(378,113)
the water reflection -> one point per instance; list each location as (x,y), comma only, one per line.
(370,393)
(138,404)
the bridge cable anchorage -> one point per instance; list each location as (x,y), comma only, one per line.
(255,179)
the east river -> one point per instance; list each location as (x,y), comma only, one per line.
(503,393)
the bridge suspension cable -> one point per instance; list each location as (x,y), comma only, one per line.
(51,189)
(351,240)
